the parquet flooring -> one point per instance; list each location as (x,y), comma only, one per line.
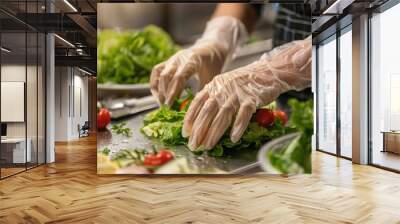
(69,191)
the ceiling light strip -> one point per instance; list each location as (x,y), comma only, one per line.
(337,7)
(84,71)
(70,5)
(64,40)
(5,50)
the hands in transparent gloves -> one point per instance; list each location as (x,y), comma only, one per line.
(233,97)
(205,59)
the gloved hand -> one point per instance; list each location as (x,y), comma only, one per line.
(237,94)
(205,59)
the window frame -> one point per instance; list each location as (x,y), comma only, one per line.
(339,32)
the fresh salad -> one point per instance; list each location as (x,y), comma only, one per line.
(164,126)
(143,161)
(128,57)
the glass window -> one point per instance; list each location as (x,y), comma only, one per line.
(22,92)
(15,151)
(327,95)
(385,89)
(346,92)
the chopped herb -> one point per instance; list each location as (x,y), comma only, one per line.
(106,151)
(126,157)
(120,129)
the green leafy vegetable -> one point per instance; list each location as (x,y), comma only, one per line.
(128,57)
(120,129)
(168,133)
(106,151)
(164,114)
(165,125)
(296,158)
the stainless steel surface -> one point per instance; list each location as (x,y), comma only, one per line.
(112,91)
(235,163)
(127,111)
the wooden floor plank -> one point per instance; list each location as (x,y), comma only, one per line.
(70,191)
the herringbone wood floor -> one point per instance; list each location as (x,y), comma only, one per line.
(69,191)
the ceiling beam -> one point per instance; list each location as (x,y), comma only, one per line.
(86,27)
(77,61)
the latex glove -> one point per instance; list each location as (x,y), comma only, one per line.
(205,59)
(237,94)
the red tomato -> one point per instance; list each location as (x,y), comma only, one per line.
(280,114)
(152,160)
(165,155)
(183,104)
(265,117)
(103,118)
(162,157)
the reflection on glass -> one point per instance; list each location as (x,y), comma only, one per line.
(327,96)
(41,99)
(385,84)
(346,94)
(22,91)
(31,97)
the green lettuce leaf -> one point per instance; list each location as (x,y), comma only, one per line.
(296,158)
(128,57)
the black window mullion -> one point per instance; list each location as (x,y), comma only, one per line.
(316,97)
(338,76)
(37,90)
(26,86)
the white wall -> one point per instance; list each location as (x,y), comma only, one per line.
(33,126)
(14,73)
(70,83)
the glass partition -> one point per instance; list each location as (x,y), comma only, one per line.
(385,89)
(326,55)
(22,77)
(14,151)
(32,97)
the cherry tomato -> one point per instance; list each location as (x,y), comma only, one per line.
(265,117)
(280,114)
(152,160)
(162,157)
(183,104)
(165,155)
(103,118)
